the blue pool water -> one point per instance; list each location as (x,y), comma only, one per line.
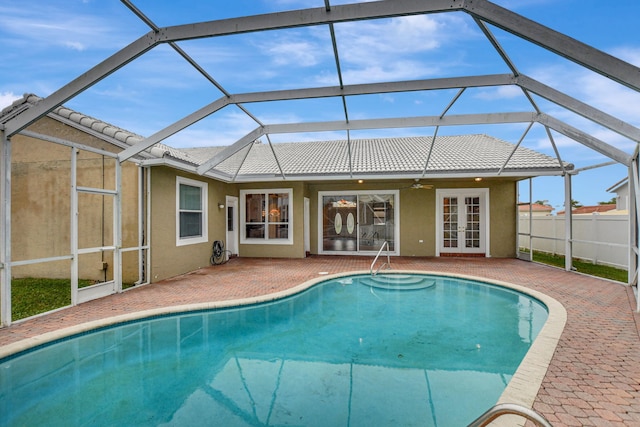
(407,350)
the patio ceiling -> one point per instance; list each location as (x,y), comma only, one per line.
(339,101)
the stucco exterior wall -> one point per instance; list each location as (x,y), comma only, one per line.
(41,205)
(418,213)
(504,214)
(168,259)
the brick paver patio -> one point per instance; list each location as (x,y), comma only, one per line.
(592,380)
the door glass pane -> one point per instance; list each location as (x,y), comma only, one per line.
(338,223)
(230,218)
(450,222)
(472,229)
(376,220)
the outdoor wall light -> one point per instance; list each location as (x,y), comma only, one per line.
(360,181)
(220,205)
(478,179)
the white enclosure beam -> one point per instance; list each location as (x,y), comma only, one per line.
(81,83)
(66,143)
(376,88)
(5,229)
(424,121)
(307,17)
(404,122)
(174,128)
(230,150)
(585,139)
(578,107)
(390,123)
(565,46)
(322,92)
(73,235)
(568,224)
(117,229)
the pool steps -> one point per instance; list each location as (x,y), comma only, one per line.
(399,282)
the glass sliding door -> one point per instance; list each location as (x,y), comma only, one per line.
(376,221)
(354,223)
(339,213)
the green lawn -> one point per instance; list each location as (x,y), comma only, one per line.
(33,296)
(585,267)
(36,295)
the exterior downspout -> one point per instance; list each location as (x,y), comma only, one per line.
(5,228)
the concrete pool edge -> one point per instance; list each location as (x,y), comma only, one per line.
(522,389)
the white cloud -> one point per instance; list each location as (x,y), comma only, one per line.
(7,98)
(298,52)
(365,41)
(593,89)
(500,92)
(629,54)
(54,26)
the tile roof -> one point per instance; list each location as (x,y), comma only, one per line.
(535,207)
(591,209)
(450,155)
(109,132)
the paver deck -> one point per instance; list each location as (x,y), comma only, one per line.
(593,378)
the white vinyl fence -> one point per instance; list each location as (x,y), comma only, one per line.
(601,239)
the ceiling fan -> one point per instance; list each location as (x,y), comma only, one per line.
(417,185)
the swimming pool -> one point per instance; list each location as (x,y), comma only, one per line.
(405,350)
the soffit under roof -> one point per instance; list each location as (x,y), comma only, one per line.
(334,30)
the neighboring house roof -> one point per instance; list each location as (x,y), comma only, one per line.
(618,185)
(449,156)
(535,207)
(591,209)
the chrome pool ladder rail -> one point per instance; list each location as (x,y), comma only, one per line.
(510,409)
(386,264)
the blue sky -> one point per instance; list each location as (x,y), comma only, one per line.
(46,44)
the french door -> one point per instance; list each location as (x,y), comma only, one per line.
(462,221)
(358,222)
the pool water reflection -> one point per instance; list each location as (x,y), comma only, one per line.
(342,353)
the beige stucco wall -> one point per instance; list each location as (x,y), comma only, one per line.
(41,212)
(168,259)
(418,212)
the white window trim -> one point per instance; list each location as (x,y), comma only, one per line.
(243,222)
(205,212)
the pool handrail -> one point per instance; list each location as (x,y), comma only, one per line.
(386,264)
(510,409)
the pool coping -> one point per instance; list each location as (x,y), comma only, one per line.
(522,389)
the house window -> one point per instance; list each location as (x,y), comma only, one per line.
(266,216)
(191,212)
